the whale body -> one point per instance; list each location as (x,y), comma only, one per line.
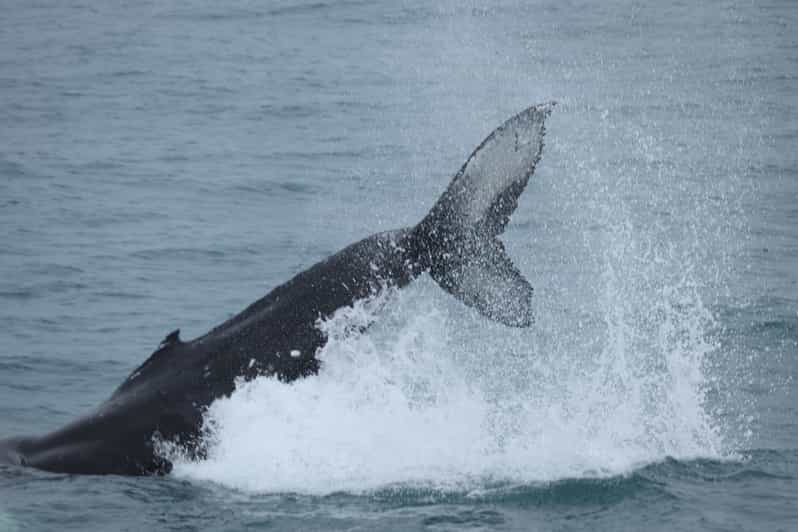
(165,398)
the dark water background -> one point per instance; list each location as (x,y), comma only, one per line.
(163,165)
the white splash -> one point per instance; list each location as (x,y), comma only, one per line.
(433,394)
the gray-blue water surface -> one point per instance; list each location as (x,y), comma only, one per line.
(163,165)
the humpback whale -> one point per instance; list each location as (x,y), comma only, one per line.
(456,243)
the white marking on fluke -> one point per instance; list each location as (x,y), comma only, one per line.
(295,353)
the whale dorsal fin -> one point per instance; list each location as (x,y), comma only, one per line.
(171,339)
(162,352)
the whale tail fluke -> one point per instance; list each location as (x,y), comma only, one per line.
(458,238)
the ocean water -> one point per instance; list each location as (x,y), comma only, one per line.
(163,165)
